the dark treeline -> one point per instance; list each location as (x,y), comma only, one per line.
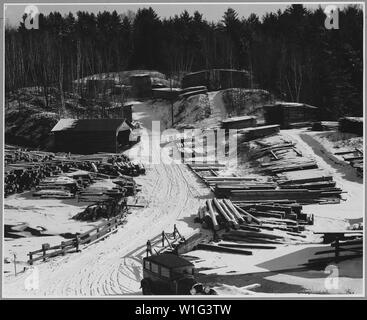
(290,53)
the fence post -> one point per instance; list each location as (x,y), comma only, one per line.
(30,258)
(15,265)
(77,243)
(149,248)
(174,231)
(337,249)
(162,238)
(63,248)
(44,248)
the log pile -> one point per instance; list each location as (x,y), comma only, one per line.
(107,208)
(251,226)
(14,155)
(223,213)
(25,170)
(59,187)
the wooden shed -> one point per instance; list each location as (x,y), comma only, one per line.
(287,113)
(86,136)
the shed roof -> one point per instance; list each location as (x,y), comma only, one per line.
(80,125)
(240,118)
(169,260)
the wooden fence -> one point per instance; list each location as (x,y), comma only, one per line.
(91,236)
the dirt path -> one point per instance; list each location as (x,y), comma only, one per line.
(113,266)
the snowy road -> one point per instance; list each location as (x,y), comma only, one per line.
(113,266)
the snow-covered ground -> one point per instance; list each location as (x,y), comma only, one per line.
(113,266)
(174,194)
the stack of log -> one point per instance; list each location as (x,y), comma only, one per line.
(223,213)
(26,169)
(26,176)
(15,154)
(60,187)
(225,188)
(252,225)
(105,205)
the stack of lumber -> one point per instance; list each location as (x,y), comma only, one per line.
(239,122)
(304,176)
(225,188)
(56,187)
(216,179)
(355,159)
(351,125)
(284,165)
(278,211)
(191,91)
(206,166)
(274,151)
(258,132)
(14,154)
(303,196)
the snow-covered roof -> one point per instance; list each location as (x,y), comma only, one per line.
(91,125)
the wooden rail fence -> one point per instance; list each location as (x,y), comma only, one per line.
(91,236)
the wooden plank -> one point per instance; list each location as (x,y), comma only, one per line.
(248,215)
(246,246)
(212,214)
(209,247)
